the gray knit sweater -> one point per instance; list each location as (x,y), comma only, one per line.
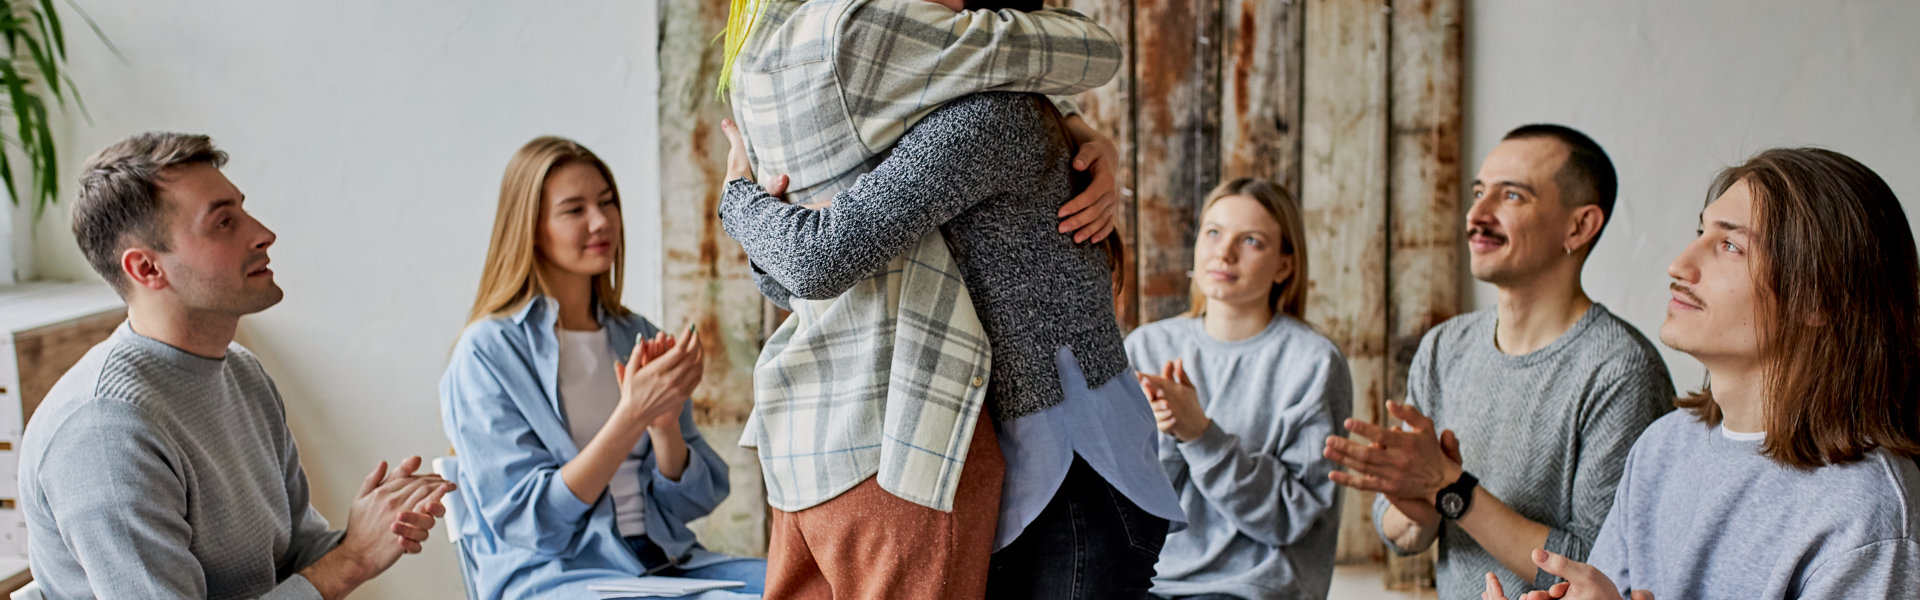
(153,473)
(1546,432)
(990,171)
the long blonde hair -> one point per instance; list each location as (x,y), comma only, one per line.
(512,277)
(1289,298)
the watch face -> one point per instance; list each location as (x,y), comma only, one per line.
(1451,505)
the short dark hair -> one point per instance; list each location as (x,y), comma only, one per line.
(1587,177)
(119,202)
(1839,286)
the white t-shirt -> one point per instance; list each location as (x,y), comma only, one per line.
(588,394)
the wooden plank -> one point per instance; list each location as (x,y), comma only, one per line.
(1425,171)
(707,280)
(1260,100)
(1178,127)
(1344,197)
(1110,110)
(45,353)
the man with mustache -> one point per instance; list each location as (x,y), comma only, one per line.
(1517,419)
(160,465)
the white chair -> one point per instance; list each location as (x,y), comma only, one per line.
(448,467)
(30,592)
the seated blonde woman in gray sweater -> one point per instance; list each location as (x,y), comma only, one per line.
(1243,393)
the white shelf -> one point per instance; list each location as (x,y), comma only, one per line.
(38,304)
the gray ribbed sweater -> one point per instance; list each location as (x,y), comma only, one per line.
(150,472)
(990,170)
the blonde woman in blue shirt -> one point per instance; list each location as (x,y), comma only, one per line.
(579,457)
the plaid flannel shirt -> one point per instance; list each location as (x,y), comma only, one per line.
(889,378)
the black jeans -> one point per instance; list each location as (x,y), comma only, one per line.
(1090,543)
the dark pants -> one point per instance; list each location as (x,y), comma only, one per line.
(1091,542)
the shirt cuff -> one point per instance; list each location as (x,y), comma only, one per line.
(1380,507)
(696,471)
(296,587)
(739,189)
(561,500)
(1211,444)
(1560,542)
(1065,105)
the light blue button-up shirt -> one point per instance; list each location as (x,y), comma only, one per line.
(1111,427)
(525,533)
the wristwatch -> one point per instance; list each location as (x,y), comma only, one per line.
(1454,500)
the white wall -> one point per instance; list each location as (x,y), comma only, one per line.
(371,135)
(1676,90)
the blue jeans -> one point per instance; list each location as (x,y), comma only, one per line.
(751,571)
(1090,543)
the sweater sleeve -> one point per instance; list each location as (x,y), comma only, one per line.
(1423,392)
(1881,570)
(1276,498)
(1628,401)
(1609,553)
(963,153)
(310,538)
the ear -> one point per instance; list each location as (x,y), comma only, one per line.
(142,267)
(1584,226)
(1285,270)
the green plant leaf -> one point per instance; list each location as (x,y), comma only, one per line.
(50,26)
(49,72)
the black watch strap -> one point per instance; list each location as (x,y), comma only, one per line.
(1454,500)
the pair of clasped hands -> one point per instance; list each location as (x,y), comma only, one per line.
(660,375)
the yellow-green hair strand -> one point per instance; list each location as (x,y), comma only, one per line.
(740,17)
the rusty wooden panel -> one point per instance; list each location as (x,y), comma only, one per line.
(1344,194)
(1260,93)
(44,354)
(1110,109)
(707,278)
(1177,78)
(1425,174)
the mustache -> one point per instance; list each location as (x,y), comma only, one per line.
(1686,293)
(258,263)
(1482,231)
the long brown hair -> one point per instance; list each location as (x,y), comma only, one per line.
(512,277)
(1288,298)
(1839,289)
